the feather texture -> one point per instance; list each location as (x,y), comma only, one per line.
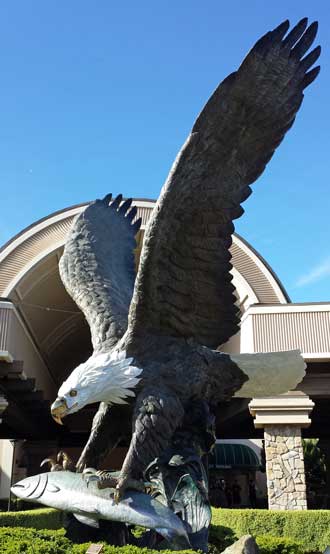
(97,267)
(104,377)
(158,412)
(183,287)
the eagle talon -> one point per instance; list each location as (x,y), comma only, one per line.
(62,462)
(125,483)
(117,495)
(104,478)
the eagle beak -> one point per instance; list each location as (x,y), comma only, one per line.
(58,410)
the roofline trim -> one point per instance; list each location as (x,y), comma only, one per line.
(287,308)
(245,284)
(72,211)
(54,217)
(264,267)
(33,262)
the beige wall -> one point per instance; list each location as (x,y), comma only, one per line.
(15,339)
(6,460)
(275,328)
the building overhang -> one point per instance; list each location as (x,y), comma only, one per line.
(233,456)
(275,328)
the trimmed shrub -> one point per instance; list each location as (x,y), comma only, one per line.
(44,518)
(21,540)
(311,528)
(221,537)
(278,545)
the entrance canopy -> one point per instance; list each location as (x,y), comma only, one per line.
(234,456)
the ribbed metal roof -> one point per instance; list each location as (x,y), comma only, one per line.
(37,241)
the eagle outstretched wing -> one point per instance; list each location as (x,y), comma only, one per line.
(97,267)
(183,287)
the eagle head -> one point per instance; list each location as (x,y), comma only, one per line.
(104,377)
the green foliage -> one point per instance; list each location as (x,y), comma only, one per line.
(44,518)
(311,528)
(315,468)
(129,549)
(220,537)
(21,540)
(278,545)
(30,541)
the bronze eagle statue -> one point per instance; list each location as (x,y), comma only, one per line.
(156,335)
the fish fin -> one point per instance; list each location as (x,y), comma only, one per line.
(87,520)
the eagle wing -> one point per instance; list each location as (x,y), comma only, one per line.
(183,286)
(97,267)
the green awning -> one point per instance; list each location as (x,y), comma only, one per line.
(233,455)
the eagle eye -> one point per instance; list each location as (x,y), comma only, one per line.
(73,392)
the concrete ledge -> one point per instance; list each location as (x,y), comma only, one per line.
(287,409)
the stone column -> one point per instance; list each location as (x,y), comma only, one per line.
(282,418)
(285,468)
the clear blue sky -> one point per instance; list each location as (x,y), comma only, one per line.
(99,96)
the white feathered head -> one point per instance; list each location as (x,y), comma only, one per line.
(102,378)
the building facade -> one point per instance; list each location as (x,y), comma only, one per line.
(43,336)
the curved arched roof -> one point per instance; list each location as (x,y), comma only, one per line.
(41,238)
(29,277)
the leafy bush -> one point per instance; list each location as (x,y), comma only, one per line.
(30,541)
(278,545)
(221,537)
(44,518)
(129,549)
(311,528)
(21,540)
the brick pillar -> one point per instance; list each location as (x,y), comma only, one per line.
(282,418)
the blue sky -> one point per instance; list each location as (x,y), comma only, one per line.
(99,96)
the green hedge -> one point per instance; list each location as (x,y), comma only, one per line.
(221,537)
(309,527)
(44,518)
(278,545)
(21,540)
